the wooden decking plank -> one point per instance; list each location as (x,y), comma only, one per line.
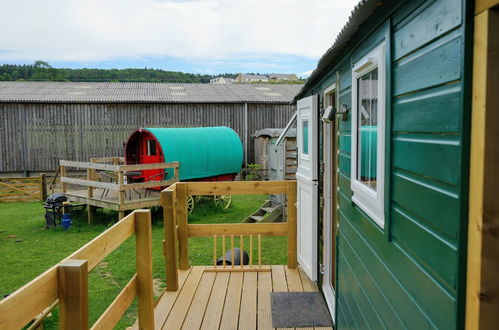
(247,313)
(184,299)
(167,300)
(279,283)
(230,314)
(307,283)
(195,315)
(293,279)
(264,310)
(214,310)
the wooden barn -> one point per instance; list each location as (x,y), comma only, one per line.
(42,122)
(397,167)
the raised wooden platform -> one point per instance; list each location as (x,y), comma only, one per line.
(226,300)
(134,199)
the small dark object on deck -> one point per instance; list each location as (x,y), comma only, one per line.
(288,310)
(237,257)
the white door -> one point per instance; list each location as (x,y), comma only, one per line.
(328,218)
(306,178)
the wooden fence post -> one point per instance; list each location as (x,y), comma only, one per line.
(143,241)
(183,239)
(292,249)
(91,175)
(73,294)
(64,184)
(170,242)
(43,186)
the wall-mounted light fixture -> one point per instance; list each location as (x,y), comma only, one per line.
(328,115)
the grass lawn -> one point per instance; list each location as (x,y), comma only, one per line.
(27,249)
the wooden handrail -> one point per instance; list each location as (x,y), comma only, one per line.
(237,188)
(117,168)
(177,230)
(265,229)
(33,298)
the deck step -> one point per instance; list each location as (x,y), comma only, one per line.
(257,218)
(267,209)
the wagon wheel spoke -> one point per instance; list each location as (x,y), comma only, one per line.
(197,198)
(222,201)
(190,204)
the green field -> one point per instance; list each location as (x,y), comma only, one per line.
(27,249)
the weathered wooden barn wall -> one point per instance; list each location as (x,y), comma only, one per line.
(34,136)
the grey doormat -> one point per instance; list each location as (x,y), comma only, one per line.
(299,310)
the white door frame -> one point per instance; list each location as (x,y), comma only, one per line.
(328,157)
(307,188)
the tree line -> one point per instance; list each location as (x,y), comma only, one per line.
(43,71)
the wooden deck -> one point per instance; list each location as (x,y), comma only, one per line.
(226,300)
(134,199)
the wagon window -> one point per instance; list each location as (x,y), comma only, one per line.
(305,137)
(368,133)
(151,147)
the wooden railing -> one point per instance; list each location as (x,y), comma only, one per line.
(177,230)
(67,282)
(118,171)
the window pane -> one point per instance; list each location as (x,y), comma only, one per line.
(151,148)
(305,137)
(367,121)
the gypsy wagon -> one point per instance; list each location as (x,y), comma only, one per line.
(204,154)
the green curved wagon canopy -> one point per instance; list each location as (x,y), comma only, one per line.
(202,151)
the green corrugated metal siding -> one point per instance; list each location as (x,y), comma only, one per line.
(202,151)
(407,275)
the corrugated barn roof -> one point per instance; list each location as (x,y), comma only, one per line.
(131,92)
(275,132)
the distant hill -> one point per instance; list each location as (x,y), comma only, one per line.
(43,71)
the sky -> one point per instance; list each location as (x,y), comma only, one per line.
(197,36)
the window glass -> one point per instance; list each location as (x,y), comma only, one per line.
(367,128)
(151,147)
(305,137)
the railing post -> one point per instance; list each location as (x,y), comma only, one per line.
(143,241)
(291,195)
(63,174)
(170,242)
(91,175)
(183,239)
(121,194)
(43,186)
(73,294)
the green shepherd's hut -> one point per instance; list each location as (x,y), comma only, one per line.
(397,135)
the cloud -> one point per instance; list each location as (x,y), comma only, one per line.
(97,30)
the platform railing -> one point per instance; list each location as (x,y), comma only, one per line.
(177,230)
(66,283)
(118,171)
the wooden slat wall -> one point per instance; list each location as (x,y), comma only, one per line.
(34,136)
(409,274)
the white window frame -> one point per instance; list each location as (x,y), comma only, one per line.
(370,201)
